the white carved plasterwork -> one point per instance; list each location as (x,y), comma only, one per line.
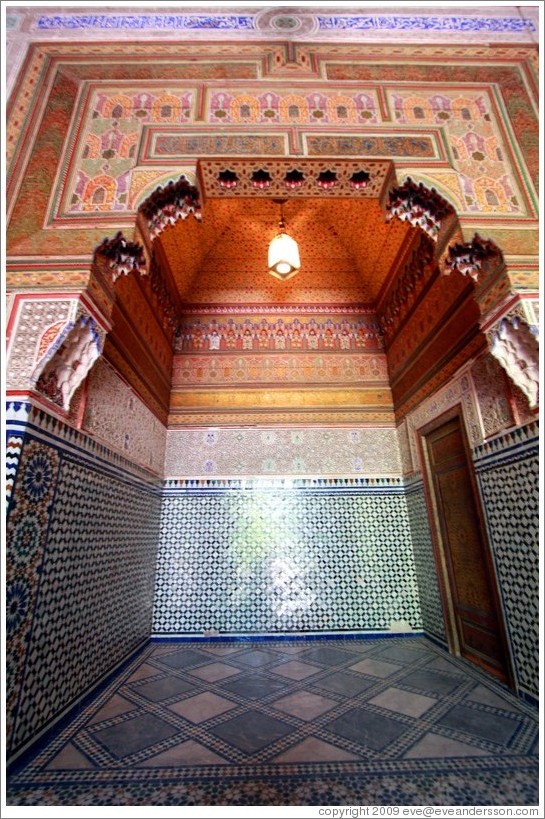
(491,391)
(404,448)
(308,452)
(529,311)
(515,346)
(38,324)
(458,391)
(116,416)
(65,371)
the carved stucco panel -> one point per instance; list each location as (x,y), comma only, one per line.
(314,451)
(514,344)
(116,416)
(491,392)
(404,448)
(38,327)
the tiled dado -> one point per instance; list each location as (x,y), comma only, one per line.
(279,559)
(81,540)
(507,469)
(426,572)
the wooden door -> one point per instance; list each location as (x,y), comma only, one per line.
(470,598)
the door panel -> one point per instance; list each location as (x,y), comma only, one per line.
(469,582)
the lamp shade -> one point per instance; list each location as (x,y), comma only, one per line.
(284,261)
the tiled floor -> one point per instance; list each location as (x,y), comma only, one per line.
(329,722)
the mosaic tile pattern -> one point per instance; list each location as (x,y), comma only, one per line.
(82,540)
(292,722)
(508,476)
(274,561)
(253,451)
(14,445)
(426,572)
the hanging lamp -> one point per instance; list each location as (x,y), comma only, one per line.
(284,260)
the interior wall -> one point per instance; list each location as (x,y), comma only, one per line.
(507,468)
(85,515)
(266,557)
(502,433)
(82,530)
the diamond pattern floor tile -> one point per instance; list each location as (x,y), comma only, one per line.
(339,719)
(70,759)
(214,671)
(296,670)
(144,671)
(345,683)
(376,668)
(492,727)
(366,728)
(201,707)
(254,686)
(330,656)
(431,681)
(255,659)
(403,702)
(222,651)
(304,705)
(486,697)
(186,753)
(435,746)
(134,734)
(184,658)
(315,750)
(401,653)
(163,689)
(252,731)
(114,707)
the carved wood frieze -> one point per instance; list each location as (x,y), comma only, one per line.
(406,288)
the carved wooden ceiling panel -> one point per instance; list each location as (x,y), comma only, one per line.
(347,251)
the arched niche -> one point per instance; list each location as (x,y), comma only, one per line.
(513,343)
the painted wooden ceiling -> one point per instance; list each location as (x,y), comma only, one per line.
(348,251)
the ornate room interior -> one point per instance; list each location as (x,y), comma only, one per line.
(203,453)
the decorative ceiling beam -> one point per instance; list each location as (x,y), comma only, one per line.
(301,177)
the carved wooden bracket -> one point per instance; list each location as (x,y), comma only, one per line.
(470,258)
(165,206)
(420,206)
(123,257)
